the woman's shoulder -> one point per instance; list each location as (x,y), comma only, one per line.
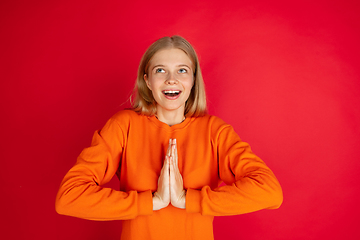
(213,122)
(126,116)
(218,129)
(211,118)
(126,113)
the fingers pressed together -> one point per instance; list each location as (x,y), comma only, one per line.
(170,182)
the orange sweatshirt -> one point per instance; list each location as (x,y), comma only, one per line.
(133,147)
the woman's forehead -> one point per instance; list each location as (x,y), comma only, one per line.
(170,56)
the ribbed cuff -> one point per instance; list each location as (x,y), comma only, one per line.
(193,201)
(145,206)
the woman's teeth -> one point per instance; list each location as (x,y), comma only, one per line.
(171,93)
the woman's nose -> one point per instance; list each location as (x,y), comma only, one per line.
(171,79)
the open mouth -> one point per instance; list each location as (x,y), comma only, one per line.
(171,93)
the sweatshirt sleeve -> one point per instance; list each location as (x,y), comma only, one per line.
(81,193)
(250,184)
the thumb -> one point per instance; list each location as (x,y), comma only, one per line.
(167,165)
(171,166)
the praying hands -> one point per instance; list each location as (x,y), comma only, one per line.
(170,182)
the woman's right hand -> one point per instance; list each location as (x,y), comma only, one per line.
(161,198)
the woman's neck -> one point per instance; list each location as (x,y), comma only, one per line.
(170,117)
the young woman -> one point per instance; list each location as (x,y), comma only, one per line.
(170,157)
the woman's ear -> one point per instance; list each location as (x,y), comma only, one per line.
(147,81)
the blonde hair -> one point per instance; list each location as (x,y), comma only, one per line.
(144,101)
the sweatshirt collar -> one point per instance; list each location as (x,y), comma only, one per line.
(160,124)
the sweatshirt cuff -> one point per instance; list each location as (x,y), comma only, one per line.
(145,203)
(193,201)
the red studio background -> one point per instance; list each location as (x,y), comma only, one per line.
(285,74)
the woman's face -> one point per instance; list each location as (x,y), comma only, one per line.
(170,78)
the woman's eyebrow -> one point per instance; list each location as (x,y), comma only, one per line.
(159,65)
(183,65)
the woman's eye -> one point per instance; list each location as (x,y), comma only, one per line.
(160,70)
(182,70)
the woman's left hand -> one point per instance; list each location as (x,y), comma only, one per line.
(177,192)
